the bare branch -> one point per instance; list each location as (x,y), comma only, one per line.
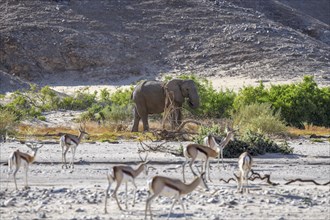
(310,181)
(227,181)
(256,175)
(158,148)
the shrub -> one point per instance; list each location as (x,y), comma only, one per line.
(81,100)
(255,144)
(24,105)
(249,95)
(119,113)
(302,103)
(122,97)
(115,107)
(7,120)
(49,99)
(298,103)
(259,118)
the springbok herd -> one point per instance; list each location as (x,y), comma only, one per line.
(158,185)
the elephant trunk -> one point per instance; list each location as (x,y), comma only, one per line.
(193,102)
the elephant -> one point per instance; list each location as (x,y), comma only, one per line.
(149,97)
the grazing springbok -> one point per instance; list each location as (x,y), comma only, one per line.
(244,165)
(122,174)
(211,141)
(193,152)
(17,159)
(68,141)
(165,186)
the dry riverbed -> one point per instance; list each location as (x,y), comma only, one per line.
(58,193)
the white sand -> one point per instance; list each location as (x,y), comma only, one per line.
(219,83)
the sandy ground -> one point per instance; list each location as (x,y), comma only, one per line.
(58,193)
(219,83)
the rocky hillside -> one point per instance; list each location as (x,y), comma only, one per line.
(97,42)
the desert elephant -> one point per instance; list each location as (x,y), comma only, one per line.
(149,98)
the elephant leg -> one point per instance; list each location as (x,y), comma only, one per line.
(144,117)
(145,122)
(136,122)
(176,117)
(141,113)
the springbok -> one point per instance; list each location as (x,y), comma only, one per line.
(165,186)
(121,174)
(18,158)
(197,151)
(244,165)
(68,141)
(211,141)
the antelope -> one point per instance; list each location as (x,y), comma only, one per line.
(121,174)
(244,164)
(68,141)
(198,151)
(210,141)
(18,158)
(165,186)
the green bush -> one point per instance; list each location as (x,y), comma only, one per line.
(81,100)
(298,103)
(115,107)
(120,113)
(255,144)
(259,118)
(249,95)
(122,97)
(49,100)
(7,120)
(24,105)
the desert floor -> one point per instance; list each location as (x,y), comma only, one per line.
(57,193)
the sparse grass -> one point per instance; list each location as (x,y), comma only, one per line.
(95,133)
(309,130)
(119,131)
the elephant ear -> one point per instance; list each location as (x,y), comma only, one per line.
(174,86)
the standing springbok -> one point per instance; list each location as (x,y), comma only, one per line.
(121,174)
(212,143)
(193,152)
(18,158)
(68,141)
(244,165)
(165,186)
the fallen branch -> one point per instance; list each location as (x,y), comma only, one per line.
(158,148)
(171,135)
(256,175)
(227,181)
(310,181)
